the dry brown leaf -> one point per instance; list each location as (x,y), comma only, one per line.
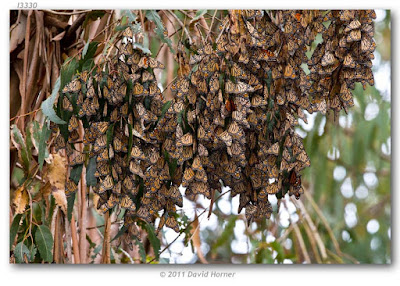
(58,37)
(57,171)
(57,175)
(61,199)
(21,199)
(18,33)
(195,231)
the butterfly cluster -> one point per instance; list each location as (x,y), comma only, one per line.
(237,101)
(243,96)
(116,112)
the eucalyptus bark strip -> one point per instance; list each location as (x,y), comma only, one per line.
(75,245)
(106,257)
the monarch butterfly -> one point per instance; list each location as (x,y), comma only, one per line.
(206,50)
(100,127)
(188,176)
(106,184)
(181,87)
(147,76)
(194,59)
(103,156)
(59,142)
(257,101)
(202,150)
(328,59)
(354,36)
(119,146)
(73,123)
(355,24)
(238,88)
(185,140)
(127,49)
(201,176)
(138,89)
(90,92)
(172,223)
(117,188)
(73,136)
(129,183)
(127,203)
(349,61)
(153,156)
(102,169)
(137,153)
(67,105)
(175,195)
(100,143)
(214,84)
(294,180)
(73,86)
(289,72)
(201,188)
(136,169)
(154,64)
(70,187)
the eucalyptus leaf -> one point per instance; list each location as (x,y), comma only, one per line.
(20,251)
(70,205)
(44,241)
(75,173)
(154,241)
(198,15)
(44,136)
(14,228)
(19,143)
(91,180)
(48,105)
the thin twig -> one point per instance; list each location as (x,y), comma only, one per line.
(182,25)
(67,13)
(211,25)
(325,222)
(189,224)
(75,245)
(313,228)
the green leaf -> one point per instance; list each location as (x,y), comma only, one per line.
(85,49)
(120,232)
(110,132)
(68,70)
(20,251)
(154,241)
(90,51)
(142,251)
(164,109)
(28,140)
(121,28)
(198,15)
(131,16)
(70,205)
(44,241)
(35,131)
(44,136)
(33,252)
(91,180)
(47,105)
(75,173)
(19,143)
(14,228)
(160,30)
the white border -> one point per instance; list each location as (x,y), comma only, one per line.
(131,275)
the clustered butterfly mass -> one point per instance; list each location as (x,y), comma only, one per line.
(232,121)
